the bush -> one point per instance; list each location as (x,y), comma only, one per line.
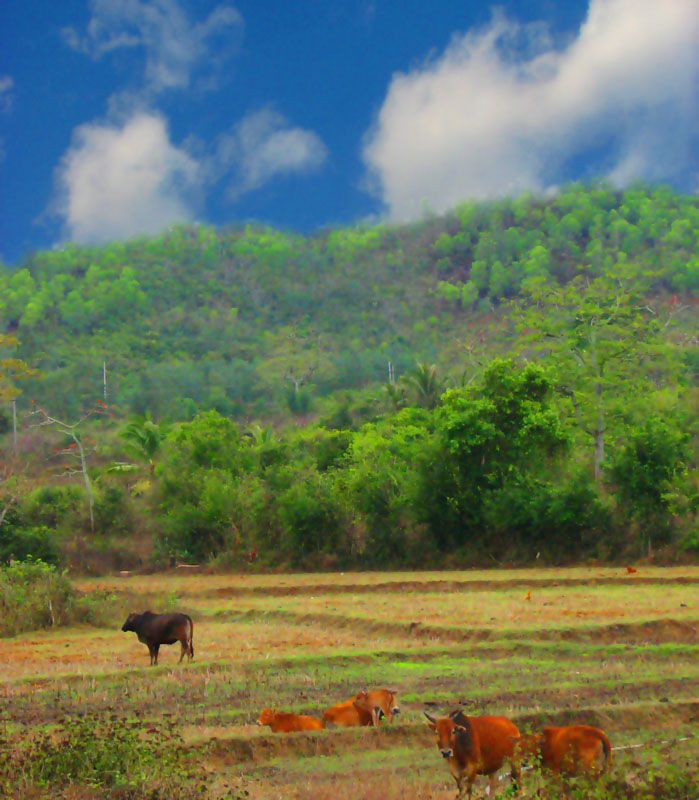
(111,512)
(201,528)
(104,753)
(566,521)
(50,505)
(311,521)
(22,544)
(35,595)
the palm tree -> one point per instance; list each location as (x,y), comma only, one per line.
(397,395)
(144,437)
(426,385)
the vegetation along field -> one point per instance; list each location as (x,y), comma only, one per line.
(83,715)
(268,432)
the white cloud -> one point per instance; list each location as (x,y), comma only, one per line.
(119,181)
(263,146)
(174,46)
(6,86)
(483,121)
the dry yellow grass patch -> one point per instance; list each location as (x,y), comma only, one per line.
(186,584)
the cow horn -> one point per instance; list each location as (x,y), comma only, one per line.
(431,719)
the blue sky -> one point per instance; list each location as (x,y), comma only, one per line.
(122,116)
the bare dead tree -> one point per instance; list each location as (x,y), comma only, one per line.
(77,452)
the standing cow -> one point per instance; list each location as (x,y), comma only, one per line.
(477,746)
(156,629)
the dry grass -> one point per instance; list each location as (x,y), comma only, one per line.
(344,632)
(185,584)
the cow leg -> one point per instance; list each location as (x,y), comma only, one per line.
(493,784)
(184,649)
(156,647)
(516,775)
(151,653)
(470,778)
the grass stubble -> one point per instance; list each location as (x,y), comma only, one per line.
(617,653)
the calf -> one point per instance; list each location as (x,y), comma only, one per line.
(572,750)
(366,708)
(156,629)
(286,723)
(477,746)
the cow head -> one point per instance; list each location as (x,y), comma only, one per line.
(447,731)
(130,623)
(385,700)
(380,703)
(267,716)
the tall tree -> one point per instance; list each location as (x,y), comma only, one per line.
(608,341)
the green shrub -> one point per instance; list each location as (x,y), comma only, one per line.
(111,511)
(35,595)
(51,505)
(22,544)
(201,527)
(108,754)
(563,521)
(310,518)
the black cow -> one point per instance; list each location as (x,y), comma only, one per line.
(156,629)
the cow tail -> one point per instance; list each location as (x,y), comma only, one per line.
(190,636)
(607,747)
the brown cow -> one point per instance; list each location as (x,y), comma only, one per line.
(366,708)
(477,746)
(572,750)
(287,723)
(156,629)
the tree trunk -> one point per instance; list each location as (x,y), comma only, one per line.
(599,434)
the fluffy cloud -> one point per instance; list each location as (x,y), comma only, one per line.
(263,146)
(6,85)
(501,110)
(117,181)
(174,46)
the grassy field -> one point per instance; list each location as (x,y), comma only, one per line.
(589,645)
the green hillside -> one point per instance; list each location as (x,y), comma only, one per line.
(513,381)
(234,319)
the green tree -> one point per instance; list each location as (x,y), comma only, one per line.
(11,369)
(643,472)
(607,343)
(488,435)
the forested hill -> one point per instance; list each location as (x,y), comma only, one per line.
(254,321)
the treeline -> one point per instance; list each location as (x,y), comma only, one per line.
(369,397)
(492,473)
(256,322)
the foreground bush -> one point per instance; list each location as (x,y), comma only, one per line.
(109,756)
(36,595)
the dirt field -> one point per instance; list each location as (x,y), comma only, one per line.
(593,645)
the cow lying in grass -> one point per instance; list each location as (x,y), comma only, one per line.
(367,708)
(288,723)
(573,750)
(156,629)
(477,746)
